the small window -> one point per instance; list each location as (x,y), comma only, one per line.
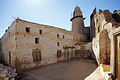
(9,34)
(27,29)
(58,44)
(59,53)
(63,36)
(98,29)
(97,20)
(57,35)
(40,31)
(36,40)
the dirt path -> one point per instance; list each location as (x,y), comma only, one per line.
(70,70)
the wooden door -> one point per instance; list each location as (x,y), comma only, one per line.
(117,57)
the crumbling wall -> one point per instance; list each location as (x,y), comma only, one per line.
(92,25)
(104,43)
(49,43)
(7,73)
(101,47)
(84,50)
(8,45)
(104,24)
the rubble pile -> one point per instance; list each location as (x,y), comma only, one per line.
(7,73)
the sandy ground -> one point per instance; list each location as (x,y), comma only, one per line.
(69,70)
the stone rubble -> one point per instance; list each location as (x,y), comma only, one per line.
(7,73)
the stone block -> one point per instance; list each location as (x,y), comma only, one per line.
(6,78)
(3,75)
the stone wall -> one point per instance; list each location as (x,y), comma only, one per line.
(7,73)
(104,24)
(84,50)
(113,49)
(18,44)
(8,44)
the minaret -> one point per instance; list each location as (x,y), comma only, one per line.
(77,21)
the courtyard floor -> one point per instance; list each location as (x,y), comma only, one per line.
(68,70)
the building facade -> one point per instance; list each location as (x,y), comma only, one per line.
(27,45)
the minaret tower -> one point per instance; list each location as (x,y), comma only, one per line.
(77,21)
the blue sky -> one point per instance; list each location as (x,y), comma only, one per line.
(50,12)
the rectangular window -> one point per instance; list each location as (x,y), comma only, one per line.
(27,29)
(58,53)
(57,35)
(98,29)
(63,36)
(36,40)
(58,44)
(36,53)
(40,31)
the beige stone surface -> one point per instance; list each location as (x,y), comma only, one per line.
(96,75)
(19,43)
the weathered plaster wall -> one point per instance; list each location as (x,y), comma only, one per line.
(112,58)
(8,44)
(25,43)
(84,50)
(104,24)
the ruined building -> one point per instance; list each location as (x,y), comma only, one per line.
(104,30)
(27,45)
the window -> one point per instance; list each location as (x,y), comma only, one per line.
(58,53)
(57,35)
(40,31)
(98,29)
(36,40)
(27,29)
(63,36)
(36,53)
(58,44)
(9,34)
(96,20)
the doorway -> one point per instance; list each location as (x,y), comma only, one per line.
(9,57)
(117,57)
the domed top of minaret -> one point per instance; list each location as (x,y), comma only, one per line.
(77,12)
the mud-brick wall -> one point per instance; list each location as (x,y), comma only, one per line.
(48,44)
(101,47)
(8,45)
(84,50)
